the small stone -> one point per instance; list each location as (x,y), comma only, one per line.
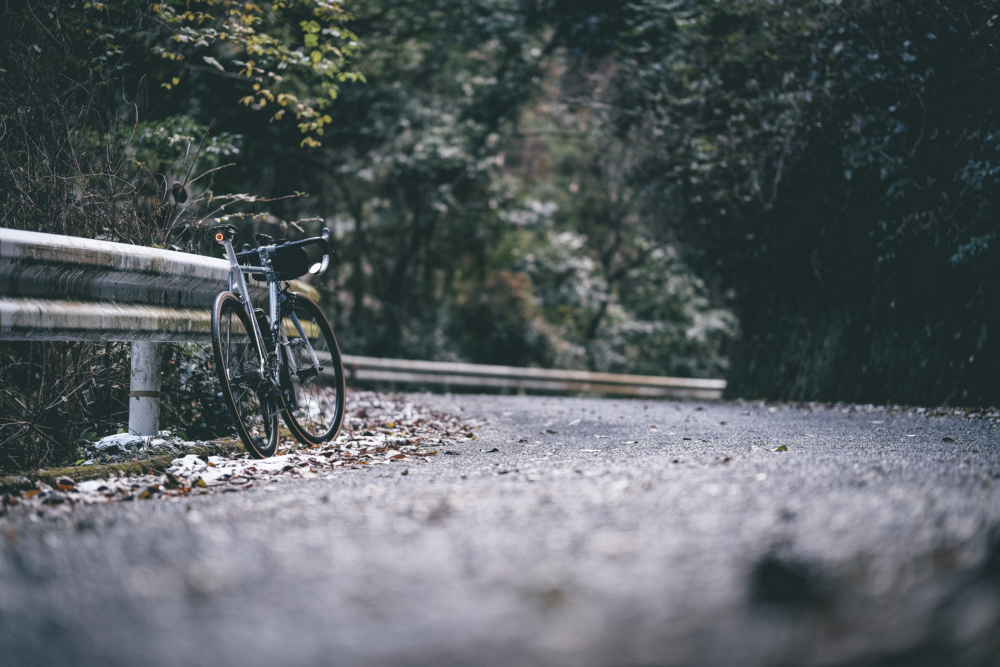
(119,443)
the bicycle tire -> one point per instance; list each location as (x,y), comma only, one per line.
(318,411)
(248,395)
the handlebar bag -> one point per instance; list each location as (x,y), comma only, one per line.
(290,263)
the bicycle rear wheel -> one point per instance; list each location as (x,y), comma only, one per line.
(246,391)
(318,410)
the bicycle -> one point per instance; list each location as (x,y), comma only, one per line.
(286,360)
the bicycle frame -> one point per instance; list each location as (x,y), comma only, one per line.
(238,284)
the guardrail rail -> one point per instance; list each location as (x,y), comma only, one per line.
(466,376)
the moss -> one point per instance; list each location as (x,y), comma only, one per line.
(155,465)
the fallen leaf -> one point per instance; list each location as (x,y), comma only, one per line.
(490,451)
(31,493)
(451,453)
(574,422)
(199,482)
(405,472)
(947,439)
(548,430)
(782,448)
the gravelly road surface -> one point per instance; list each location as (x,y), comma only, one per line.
(588,538)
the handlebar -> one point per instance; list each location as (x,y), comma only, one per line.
(252,256)
(323,240)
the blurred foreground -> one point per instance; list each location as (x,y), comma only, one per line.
(570,531)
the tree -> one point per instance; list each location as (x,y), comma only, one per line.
(835,162)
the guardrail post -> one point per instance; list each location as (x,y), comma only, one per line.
(144,393)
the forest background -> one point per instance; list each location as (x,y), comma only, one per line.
(798,196)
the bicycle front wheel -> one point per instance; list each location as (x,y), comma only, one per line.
(246,391)
(317,412)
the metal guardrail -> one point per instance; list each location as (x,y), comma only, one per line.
(65,288)
(467,376)
(61,288)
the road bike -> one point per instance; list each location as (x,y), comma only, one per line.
(285,360)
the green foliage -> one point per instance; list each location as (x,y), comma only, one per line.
(836,162)
(83,152)
(291,53)
(613,285)
(442,187)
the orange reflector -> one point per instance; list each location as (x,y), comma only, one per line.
(219,237)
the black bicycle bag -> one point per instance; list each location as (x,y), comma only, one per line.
(288,263)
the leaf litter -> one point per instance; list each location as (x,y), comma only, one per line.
(379,429)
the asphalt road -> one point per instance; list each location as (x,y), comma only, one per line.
(589,538)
